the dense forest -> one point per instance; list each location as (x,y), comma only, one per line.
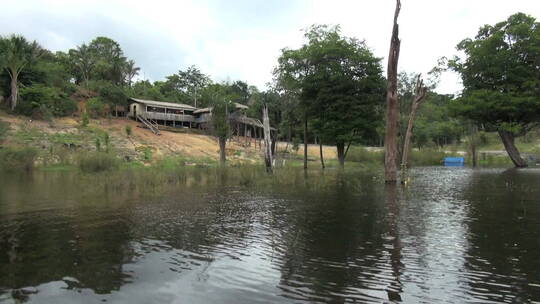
(331,90)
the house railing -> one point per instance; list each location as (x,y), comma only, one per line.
(169,116)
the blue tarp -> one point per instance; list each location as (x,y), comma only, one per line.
(454,161)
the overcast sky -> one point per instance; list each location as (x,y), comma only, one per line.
(241,40)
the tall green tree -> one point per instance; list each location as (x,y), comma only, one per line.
(187,86)
(109,59)
(17,53)
(292,70)
(220,124)
(340,86)
(501,78)
(130,71)
(84,61)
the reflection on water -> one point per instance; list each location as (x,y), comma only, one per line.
(240,236)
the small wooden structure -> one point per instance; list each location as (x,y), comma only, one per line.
(153,114)
(242,126)
(171,114)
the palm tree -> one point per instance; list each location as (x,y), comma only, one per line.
(130,71)
(17,53)
(83,59)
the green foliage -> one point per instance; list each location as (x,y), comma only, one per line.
(220,124)
(129,131)
(96,107)
(85,119)
(39,101)
(108,59)
(29,134)
(4,128)
(101,59)
(363,155)
(109,93)
(435,125)
(169,163)
(147,153)
(146,90)
(501,76)
(98,144)
(97,162)
(427,157)
(16,55)
(339,83)
(185,86)
(422,157)
(107,141)
(17,159)
(296,144)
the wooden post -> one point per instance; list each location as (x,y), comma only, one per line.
(245,135)
(392,105)
(419,95)
(267,140)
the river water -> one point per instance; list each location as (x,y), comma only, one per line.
(238,236)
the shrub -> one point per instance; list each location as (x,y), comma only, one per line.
(40,101)
(109,93)
(362,155)
(147,153)
(95,107)
(85,119)
(426,157)
(98,144)
(129,131)
(296,144)
(17,159)
(97,162)
(4,128)
(107,141)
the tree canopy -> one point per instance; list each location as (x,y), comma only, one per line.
(500,70)
(339,85)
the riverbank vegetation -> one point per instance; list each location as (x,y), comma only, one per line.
(328,92)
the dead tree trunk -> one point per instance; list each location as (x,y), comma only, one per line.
(222,152)
(508,141)
(419,96)
(305,142)
(267,140)
(321,153)
(392,105)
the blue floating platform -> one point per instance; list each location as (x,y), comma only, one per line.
(454,161)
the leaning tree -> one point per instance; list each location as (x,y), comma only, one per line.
(17,53)
(500,70)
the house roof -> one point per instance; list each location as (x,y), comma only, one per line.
(209,109)
(203,110)
(164,104)
(249,121)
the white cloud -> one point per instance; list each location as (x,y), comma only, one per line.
(242,39)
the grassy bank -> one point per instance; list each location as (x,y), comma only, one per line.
(118,144)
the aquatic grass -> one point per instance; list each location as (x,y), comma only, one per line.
(18,158)
(363,155)
(428,157)
(97,162)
